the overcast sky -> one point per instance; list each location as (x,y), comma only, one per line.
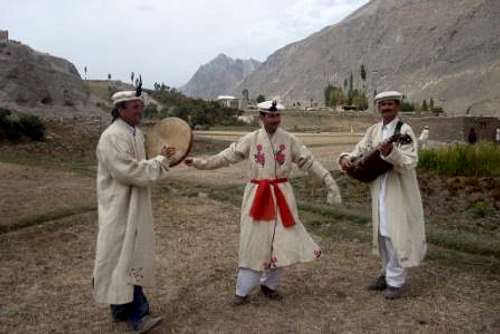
(166,40)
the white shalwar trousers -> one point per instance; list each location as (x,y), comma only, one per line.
(248,279)
(395,274)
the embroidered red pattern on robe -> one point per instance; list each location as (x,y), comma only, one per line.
(280,155)
(260,158)
(272,264)
(317,253)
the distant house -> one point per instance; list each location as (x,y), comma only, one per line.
(4,35)
(228,101)
(455,128)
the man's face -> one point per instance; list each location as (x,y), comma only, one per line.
(271,121)
(388,109)
(132,112)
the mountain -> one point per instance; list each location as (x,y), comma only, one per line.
(445,49)
(35,82)
(219,77)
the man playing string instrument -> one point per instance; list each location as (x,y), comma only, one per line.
(397,214)
(271,233)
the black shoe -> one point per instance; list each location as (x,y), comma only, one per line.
(239,300)
(392,293)
(379,284)
(146,323)
(119,313)
(270,293)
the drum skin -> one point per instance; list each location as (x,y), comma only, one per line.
(170,132)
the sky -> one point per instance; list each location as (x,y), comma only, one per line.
(166,41)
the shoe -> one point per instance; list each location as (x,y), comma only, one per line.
(379,284)
(119,313)
(239,300)
(146,323)
(392,293)
(270,293)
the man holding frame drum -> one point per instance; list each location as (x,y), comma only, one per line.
(125,240)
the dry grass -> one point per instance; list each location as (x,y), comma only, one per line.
(28,193)
(45,270)
(45,283)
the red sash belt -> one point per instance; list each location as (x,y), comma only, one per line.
(263,205)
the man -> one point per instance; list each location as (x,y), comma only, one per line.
(271,233)
(424,137)
(397,214)
(472,138)
(125,241)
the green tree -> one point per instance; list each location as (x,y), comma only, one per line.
(261,98)
(363,72)
(363,77)
(350,92)
(424,105)
(431,104)
(407,106)
(334,96)
(245,94)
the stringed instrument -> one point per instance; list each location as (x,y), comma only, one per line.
(369,166)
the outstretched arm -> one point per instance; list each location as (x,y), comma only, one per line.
(307,163)
(234,153)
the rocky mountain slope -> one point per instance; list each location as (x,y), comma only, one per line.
(219,77)
(445,49)
(35,82)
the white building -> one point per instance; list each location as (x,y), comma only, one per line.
(228,101)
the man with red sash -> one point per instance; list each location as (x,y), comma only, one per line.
(271,233)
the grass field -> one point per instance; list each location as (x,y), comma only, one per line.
(49,231)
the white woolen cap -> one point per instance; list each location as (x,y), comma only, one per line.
(266,105)
(128,95)
(388,95)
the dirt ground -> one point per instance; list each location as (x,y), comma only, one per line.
(46,272)
(46,269)
(50,191)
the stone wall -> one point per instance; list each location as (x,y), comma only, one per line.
(448,129)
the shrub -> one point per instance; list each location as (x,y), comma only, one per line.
(481,209)
(482,159)
(32,127)
(151,111)
(10,126)
(13,127)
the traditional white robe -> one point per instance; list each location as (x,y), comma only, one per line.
(404,217)
(268,244)
(125,241)
(424,138)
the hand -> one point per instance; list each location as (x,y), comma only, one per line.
(188,162)
(345,162)
(385,148)
(333,197)
(168,152)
